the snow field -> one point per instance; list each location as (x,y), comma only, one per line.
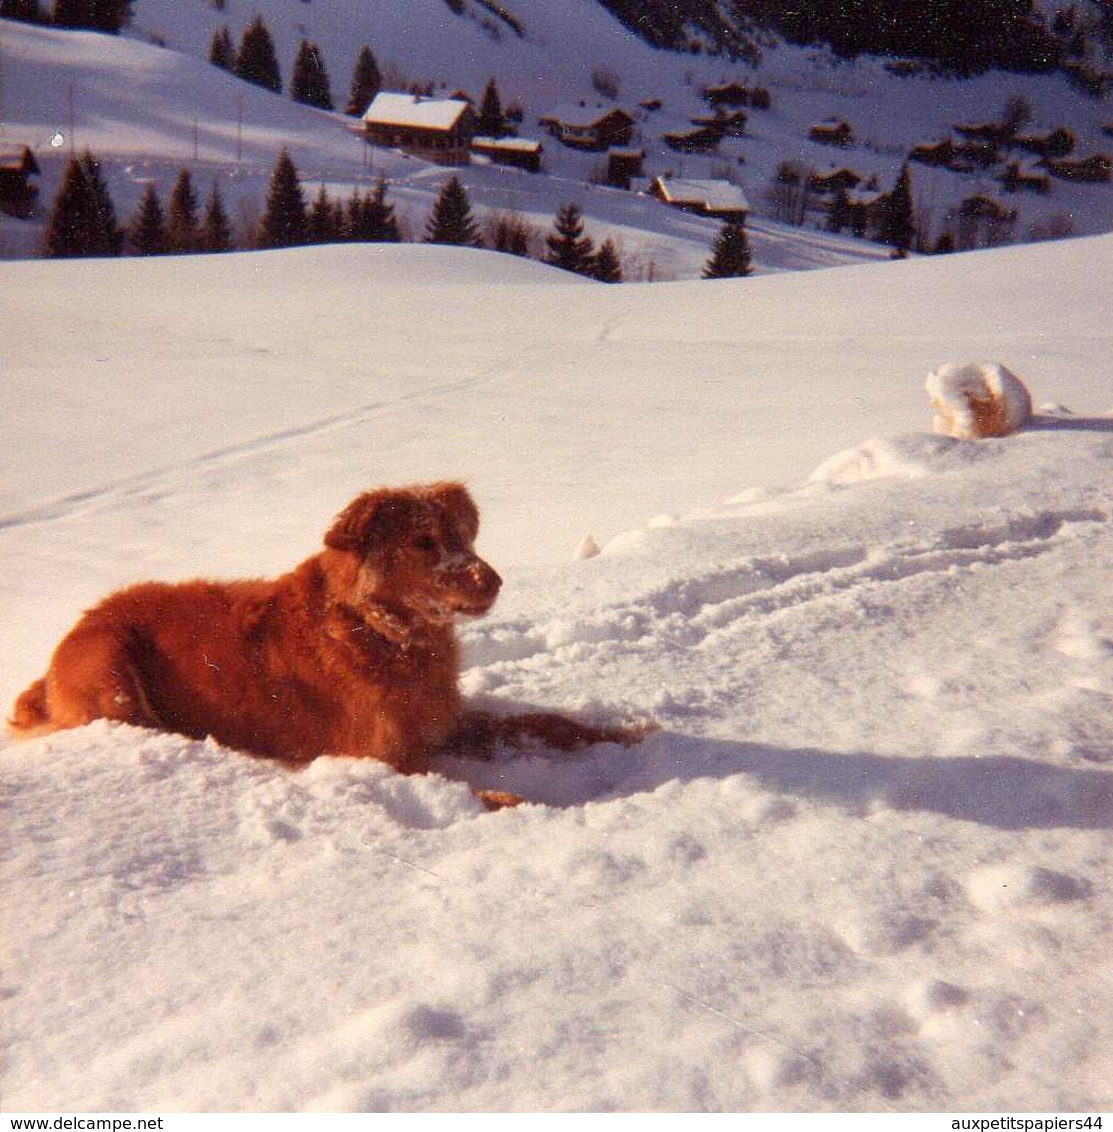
(864,863)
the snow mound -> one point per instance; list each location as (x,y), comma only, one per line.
(978,400)
(911,456)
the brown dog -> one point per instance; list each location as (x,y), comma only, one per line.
(351,653)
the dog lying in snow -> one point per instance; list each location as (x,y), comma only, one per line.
(978,400)
(351,653)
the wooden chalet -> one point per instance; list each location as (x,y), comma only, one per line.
(832,180)
(702,139)
(583,126)
(726,94)
(437,129)
(17,194)
(1058,143)
(520,153)
(719,199)
(1095,169)
(729,123)
(991,132)
(1018,179)
(833,132)
(933,153)
(623,166)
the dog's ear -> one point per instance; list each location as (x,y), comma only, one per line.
(369,519)
(455,499)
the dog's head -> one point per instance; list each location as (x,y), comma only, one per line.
(414,546)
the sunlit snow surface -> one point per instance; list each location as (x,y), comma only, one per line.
(864,864)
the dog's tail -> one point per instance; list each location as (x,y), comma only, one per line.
(30,715)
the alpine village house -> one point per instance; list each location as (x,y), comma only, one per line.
(437,129)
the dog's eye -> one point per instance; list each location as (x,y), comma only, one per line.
(424,542)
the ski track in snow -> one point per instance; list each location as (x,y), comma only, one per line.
(147,481)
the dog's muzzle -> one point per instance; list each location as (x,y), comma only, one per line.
(481,584)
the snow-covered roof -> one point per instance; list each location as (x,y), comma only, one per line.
(394,109)
(711,194)
(515,145)
(581,113)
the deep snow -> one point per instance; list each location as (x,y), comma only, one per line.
(863,866)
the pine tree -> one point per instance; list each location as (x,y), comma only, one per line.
(607,267)
(366,83)
(71,13)
(309,82)
(898,222)
(491,122)
(284,221)
(508,232)
(96,15)
(83,218)
(730,256)
(378,216)
(182,228)
(148,229)
(451,221)
(221,52)
(109,15)
(26,10)
(838,211)
(568,247)
(256,61)
(354,220)
(320,224)
(216,235)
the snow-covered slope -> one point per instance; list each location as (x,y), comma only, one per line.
(864,864)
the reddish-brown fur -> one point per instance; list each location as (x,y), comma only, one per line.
(352,653)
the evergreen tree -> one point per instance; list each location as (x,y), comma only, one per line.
(838,211)
(491,122)
(256,61)
(182,227)
(309,82)
(216,235)
(284,221)
(353,225)
(607,267)
(451,221)
(83,218)
(509,233)
(320,224)
(366,83)
(898,221)
(148,230)
(378,216)
(730,256)
(568,247)
(221,52)
(96,15)
(26,10)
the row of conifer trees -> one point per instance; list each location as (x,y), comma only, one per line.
(83,222)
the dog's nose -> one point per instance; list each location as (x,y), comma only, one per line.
(486,582)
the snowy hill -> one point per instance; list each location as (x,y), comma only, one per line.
(148,111)
(865,863)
